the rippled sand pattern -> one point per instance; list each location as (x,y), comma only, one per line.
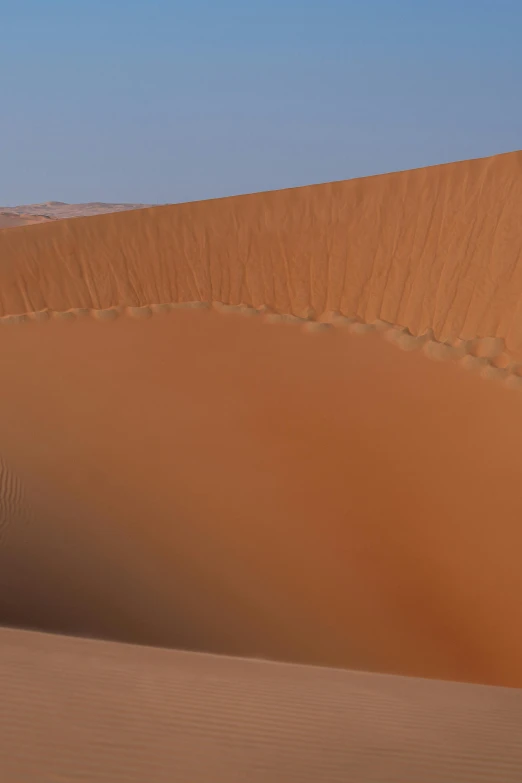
(109,712)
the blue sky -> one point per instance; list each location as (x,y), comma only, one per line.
(165,101)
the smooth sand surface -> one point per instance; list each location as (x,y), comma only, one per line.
(214,482)
(102,712)
(211,440)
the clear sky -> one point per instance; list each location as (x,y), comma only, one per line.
(163,101)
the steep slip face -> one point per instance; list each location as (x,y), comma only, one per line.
(436,248)
(215,482)
(86,710)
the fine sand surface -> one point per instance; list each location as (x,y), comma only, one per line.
(436,248)
(102,712)
(212,441)
(216,482)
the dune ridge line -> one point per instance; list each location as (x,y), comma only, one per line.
(436,248)
(485,355)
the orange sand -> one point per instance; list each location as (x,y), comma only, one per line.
(431,248)
(176,473)
(214,482)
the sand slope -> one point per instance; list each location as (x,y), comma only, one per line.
(74,709)
(431,248)
(183,465)
(216,482)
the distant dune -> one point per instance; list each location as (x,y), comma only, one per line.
(282,425)
(12,219)
(57,210)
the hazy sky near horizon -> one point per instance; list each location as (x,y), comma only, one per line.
(164,101)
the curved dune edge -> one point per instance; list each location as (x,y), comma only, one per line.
(433,248)
(105,711)
(486,355)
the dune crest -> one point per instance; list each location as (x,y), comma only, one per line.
(436,248)
(485,355)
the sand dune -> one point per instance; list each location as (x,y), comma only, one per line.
(74,709)
(12,219)
(57,210)
(212,441)
(215,482)
(431,248)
